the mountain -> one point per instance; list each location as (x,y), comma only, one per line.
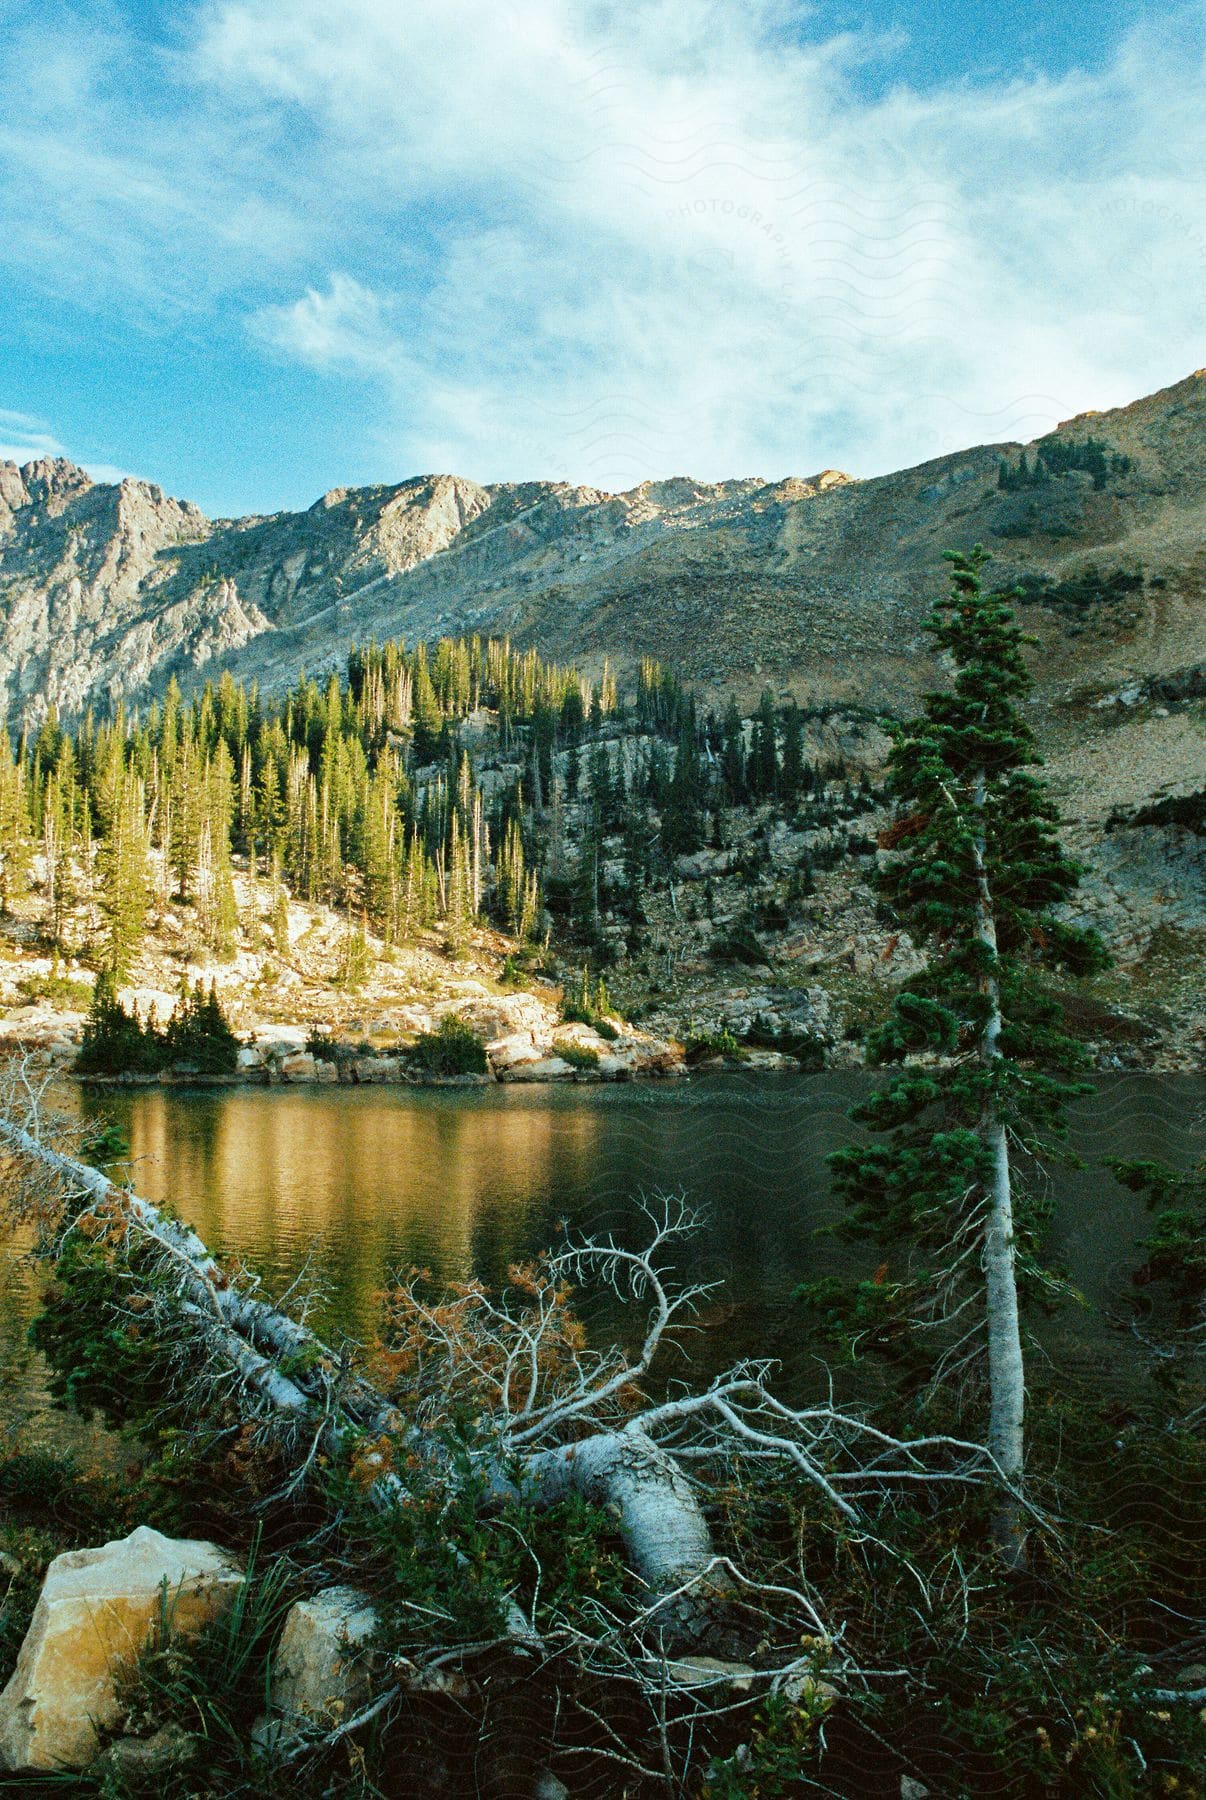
(819,584)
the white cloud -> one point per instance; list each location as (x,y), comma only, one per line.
(346,327)
(25,439)
(610,242)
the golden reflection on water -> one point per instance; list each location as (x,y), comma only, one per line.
(341,1186)
(374,1180)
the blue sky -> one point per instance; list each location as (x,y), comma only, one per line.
(255,249)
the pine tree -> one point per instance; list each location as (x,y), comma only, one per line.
(763,773)
(16,844)
(682,815)
(978,876)
(125,881)
(792,777)
(355,957)
(732,755)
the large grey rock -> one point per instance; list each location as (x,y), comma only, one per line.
(95,1612)
(321,1670)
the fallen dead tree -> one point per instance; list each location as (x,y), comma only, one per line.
(553,1416)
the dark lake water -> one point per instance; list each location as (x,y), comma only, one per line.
(340,1187)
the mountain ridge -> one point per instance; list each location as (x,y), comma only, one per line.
(816,584)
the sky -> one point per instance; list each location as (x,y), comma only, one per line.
(256,249)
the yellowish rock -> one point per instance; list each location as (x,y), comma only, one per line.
(95,1612)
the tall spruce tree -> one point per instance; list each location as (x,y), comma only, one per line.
(125,877)
(977,874)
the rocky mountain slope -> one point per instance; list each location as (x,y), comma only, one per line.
(819,585)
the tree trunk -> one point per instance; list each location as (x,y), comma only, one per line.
(1006,1368)
(665,1533)
(659,1516)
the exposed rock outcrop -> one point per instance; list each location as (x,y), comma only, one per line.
(321,1670)
(820,584)
(96,1610)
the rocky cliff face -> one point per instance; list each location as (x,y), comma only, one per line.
(819,585)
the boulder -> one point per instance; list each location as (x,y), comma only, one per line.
(544,1068)
(503,1015)
(549,1787)
(505,1052)
(141,1759)
(301,1066)
(321,1671)
(281,1040)
(376,1069)
(96,1610)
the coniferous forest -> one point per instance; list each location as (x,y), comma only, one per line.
(890,1582)
(420,789)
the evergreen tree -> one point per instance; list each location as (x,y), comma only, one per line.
(732,753)
(125,883)
(763,771)
(978,876)
(113,1042)
(16,845)
(682,813)
(792,776)
(199,1034)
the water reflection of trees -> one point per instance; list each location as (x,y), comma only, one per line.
(363,1181)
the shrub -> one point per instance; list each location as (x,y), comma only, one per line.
(453,1048)
(116,1042)
(54,985)
(700,1045)
(578,1056)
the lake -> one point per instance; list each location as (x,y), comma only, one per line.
(336,1187)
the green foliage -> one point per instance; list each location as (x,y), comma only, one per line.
(1075,592)
(579,1056)
(453,1048)
(198,1033)
(105,1143)
(104,1354)
(807,1048)
(772,1761)
(212,1684)
(115,1042)
(699,1045)
(355,959)
(588,1004)
(977,875)
(1056,456)
(1176,1248)
(57,987)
